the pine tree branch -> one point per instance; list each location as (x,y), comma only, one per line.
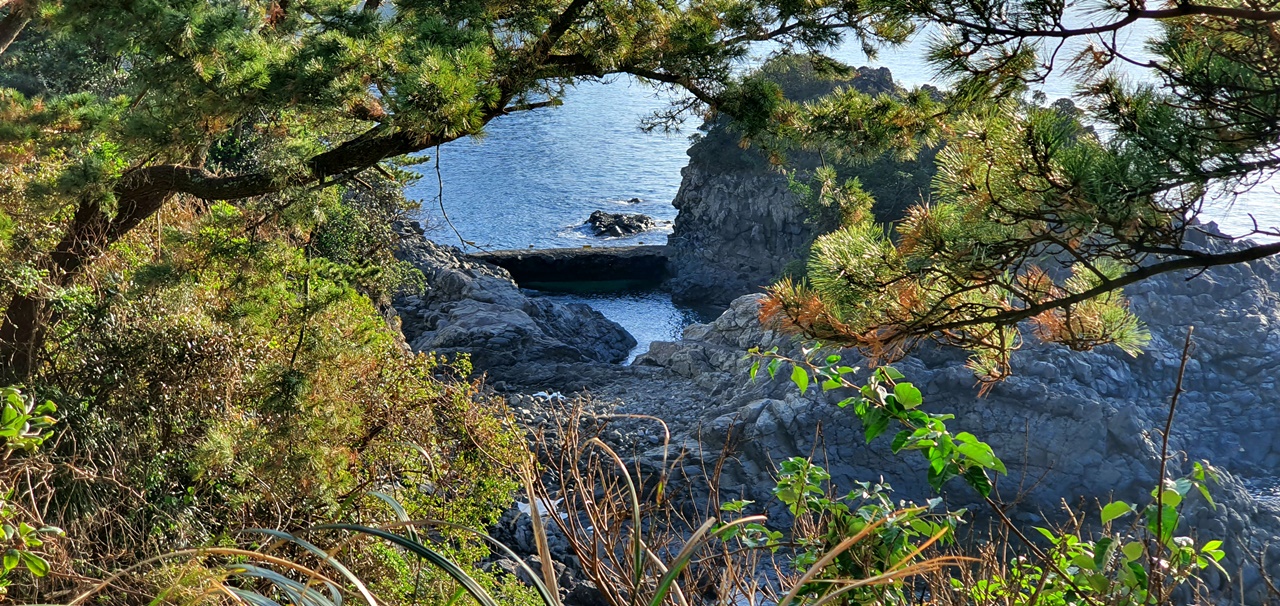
(682,81)
(1130,17)
(13,23)
(1006,318)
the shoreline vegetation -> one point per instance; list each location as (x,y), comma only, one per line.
(973,352)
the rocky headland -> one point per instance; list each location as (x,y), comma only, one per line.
(740,226)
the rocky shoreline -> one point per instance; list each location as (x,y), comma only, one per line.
(468,306)
(1074,428)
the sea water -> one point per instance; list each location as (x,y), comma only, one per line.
(534,177)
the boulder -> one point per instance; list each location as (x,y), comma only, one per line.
(616,225)
(468,306)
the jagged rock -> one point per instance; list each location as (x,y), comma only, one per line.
(468,306)
(739,227)
(618,224)
(1071,426)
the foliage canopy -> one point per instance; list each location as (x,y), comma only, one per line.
(1044,213)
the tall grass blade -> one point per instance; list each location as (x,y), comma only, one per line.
(696,540)
(396,507)
(324,556)
(662,569)
(251,597)
(449,567)
(298,593)
(552,589)
(538,585)
(637,543)
(893,576)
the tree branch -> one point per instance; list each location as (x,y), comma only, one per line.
(12,24)
(682,81)
(1130,17)
(1014,316)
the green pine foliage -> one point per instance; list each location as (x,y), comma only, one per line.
(1039,215)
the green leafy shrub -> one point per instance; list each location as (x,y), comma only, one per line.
(235,368)
(1104,563)
(24,426)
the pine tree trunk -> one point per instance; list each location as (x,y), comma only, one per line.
(21,337)
(26,319)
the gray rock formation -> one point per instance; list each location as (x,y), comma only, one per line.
(735,233)
(468,306)
(1071,426)
(615,225)
(739,227)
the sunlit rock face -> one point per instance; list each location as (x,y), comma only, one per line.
(468,306)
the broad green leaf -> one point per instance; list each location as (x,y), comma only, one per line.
(1167,522)
(1204,492)
(800,377)
(11,558)
(1102,552)
(908,396)
(35,564)
(876,426)
(982,454)
(1115,510)
(977,478)
(755,368)
(1083,562)
(890,372)
(1132,551)
(900,440)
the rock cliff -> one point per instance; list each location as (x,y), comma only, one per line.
(739,227)
(468,306)
(1074,427)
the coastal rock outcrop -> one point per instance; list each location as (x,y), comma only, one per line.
(615,225)
(468,306)
(740,227)
(1073,427)
(1079,427)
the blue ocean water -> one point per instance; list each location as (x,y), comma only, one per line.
(535,176)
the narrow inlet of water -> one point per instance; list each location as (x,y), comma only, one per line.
(648,314)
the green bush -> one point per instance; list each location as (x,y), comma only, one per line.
(1145,562)
(234,368)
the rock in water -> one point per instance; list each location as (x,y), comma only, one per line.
(618,224)
(468,306)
